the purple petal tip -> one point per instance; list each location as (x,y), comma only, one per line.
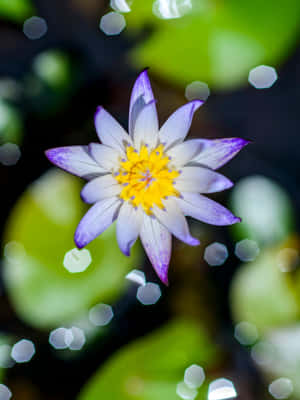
(126,252)
(164,275)
(54,155)
(78,244)
(193,242)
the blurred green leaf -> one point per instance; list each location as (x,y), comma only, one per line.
(40,231)
(265,208)
(150,368)
(52,81)
(54,68)
(5,357)
(11,124)
(16,10)
(281,356)
(218,42)
(262,295)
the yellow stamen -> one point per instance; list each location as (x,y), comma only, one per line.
(146,177)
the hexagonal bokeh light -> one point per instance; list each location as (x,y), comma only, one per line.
(23,351)
(101,314)
(215,254)
(112,23)
(281,388)
(186,392)
(5,393)
(194,376)
(148,294)
(76,261)
(221,389)
(262,77)
(35,27)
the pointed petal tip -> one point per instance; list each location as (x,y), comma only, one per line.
(77,242)
(245,142)
(230,184)
(51,153)
(48,153)
(163,275)
(144,72)
(198,103)
(98,109)
(234,220)
(126,252)
(193,242)
(165,281)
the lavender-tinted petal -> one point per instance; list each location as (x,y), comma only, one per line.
(184,152)
(157,243)
(146,126)
(100,188)
(216,153)
(205,210)
(107,157)
(201,179)
(175,129)
(74,159)
(99,217)
(109,131)
(173,219)
(141,95)
(128,227)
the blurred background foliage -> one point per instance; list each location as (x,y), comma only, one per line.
(233,304)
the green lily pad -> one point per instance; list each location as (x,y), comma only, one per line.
(39,232)
(5,357)
(280,356)
(150,368)
(16,10)
(11,123)
(217,42)
(265,208)
(262,294)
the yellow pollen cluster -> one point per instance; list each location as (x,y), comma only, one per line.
(146,177)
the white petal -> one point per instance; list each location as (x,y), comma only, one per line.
(128,227)
(173,219)
(175,129)
(201,179)
(99,217)
(157,243)
(100,188)
(76,160)
(146,127)
(105,156)
(218,152)
(109,131)
(141,95)
(205,210)
(184,152)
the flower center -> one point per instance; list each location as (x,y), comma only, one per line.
(146,177)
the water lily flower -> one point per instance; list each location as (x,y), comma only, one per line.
(150,179)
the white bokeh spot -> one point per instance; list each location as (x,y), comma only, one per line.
(262,77)
(101,314)
(281,388)
(149,294)
(23,351)
(112,23)
(216,254)
(197,90)
(194,376)
(77,260)
(35,27)
(221,389)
